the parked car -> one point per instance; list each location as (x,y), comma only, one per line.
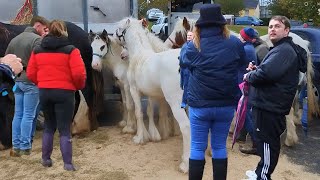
(154,14)
(248,20)
(160,25)
(313,36)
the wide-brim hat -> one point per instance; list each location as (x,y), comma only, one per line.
(210,14)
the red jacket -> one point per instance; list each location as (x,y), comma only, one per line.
(56,64)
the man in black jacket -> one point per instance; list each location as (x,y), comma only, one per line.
(275,82)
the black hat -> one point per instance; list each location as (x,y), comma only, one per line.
(210,14)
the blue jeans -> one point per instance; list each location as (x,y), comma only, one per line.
(215,119)
(26,103)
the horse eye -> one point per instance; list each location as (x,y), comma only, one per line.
(102,47)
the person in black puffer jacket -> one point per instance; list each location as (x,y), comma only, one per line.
(275,81)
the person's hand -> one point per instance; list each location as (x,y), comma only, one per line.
(245,77)
(13,62)
(251,67)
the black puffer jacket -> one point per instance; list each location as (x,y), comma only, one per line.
(276,79)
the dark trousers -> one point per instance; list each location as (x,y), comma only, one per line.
(269,127)
(5,123)
(58,106)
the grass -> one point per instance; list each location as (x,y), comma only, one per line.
(263,30)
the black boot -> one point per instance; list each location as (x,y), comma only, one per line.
(196,169)
(220,167)
(252,150)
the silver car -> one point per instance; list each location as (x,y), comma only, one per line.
(154,14)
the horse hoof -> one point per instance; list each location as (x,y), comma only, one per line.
(139,140)
(128,130)
(122,123)
(184,167)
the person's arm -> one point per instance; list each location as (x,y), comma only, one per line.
(273,68)
(13,62)
(78,70)
(191,56)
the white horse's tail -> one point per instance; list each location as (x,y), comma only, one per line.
(313,106)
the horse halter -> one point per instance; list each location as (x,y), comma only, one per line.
(122,34)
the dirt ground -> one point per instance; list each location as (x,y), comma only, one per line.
(110,155)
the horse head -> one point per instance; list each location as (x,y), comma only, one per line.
(179,34)
(100,44)
(121,31)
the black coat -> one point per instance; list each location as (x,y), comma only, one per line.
(276,79)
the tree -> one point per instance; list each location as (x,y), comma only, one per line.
(231,6)
(145,5)
(296,9)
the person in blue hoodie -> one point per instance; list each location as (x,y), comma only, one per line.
(184,72)
(213,58)
(248,37)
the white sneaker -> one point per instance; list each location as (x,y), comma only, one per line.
(251,175)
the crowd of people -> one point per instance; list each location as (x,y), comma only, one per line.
(47,70)
(216,63)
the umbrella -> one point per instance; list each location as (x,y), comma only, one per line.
(241,110)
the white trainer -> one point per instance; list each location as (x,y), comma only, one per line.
(251,175)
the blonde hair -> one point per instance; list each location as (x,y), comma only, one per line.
(196,35)
(58,28)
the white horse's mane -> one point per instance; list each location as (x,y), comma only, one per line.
(157,44)
(135,26)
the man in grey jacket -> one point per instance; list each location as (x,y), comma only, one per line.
(25,92)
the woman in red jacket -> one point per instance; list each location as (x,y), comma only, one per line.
(57,68)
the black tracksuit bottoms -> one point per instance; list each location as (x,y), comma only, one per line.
(269,126)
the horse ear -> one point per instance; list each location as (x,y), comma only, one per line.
(104,33)
(185,23)
(128,22)
(91,35)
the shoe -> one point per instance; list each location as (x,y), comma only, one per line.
(250,150)
(46,163)
(69,167)
(15,152)
(26,152)
(251,175)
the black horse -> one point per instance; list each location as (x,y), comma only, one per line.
(93,91)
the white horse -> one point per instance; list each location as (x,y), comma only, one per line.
(108,51)
(155,75)
(105,48)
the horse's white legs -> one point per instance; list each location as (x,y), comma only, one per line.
(176,128)
(130,127)
(164,121)
(123,122)
(184,124)
(142,135)
(153,131)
